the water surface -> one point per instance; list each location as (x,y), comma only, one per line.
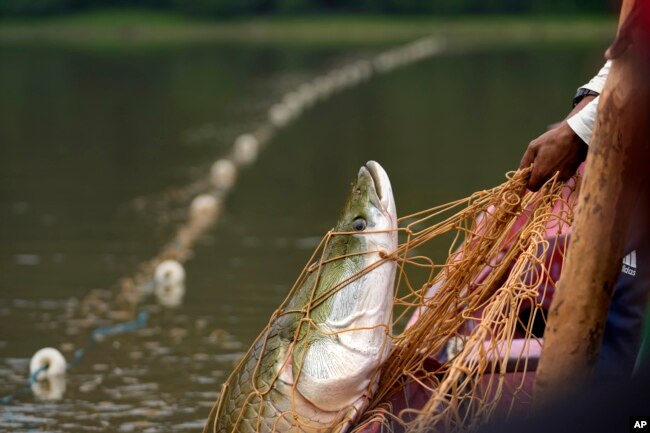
(92,141)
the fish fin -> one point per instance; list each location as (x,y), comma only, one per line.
(351,415)
(211,424)
(329,375)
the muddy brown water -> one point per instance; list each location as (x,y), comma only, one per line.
(93,140)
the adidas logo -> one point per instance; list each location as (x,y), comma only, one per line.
(629,264)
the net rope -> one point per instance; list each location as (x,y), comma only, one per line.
(466,331)
(499,266)
(194,208)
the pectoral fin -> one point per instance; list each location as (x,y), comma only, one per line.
(329,375)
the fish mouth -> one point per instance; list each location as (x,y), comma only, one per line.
(380,183)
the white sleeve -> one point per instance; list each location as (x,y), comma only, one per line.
(598,82)
(583,121)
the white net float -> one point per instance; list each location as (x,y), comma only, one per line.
(307,94)
(279,115)
(169,272)
(293,102)
(245,149)
(47,362)
(365,69)
(204,206)
(323,86)
(223,174)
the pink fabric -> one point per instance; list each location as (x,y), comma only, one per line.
(414,396)
(557,234)
(410,395)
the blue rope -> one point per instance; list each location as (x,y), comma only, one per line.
(33,378)
(120,328)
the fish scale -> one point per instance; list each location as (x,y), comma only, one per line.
(287,381)
(243,388)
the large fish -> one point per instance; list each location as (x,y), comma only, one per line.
(317,362)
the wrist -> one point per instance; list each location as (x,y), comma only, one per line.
(571,133)
(582,93)
(580,105)
(567,132)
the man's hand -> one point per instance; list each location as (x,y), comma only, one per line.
(558,150)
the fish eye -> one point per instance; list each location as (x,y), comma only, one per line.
(359,224)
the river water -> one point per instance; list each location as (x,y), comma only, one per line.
(92,141)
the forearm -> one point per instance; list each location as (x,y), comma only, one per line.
(583,116)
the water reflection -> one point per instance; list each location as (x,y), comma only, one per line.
(170,294)
(49,388)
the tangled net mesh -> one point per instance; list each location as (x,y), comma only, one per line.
(481,313)
(466,332)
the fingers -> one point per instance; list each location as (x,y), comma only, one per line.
(542,172)
(565,174)
(529,157)
(537,179)
(558,150)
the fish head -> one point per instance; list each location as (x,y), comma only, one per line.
(355,281)
(349,300)
(369,212)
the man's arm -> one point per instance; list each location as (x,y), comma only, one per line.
(558,150)
(563,148)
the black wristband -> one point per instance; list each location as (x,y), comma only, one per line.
(580,95)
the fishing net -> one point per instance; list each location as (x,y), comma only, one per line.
(475,325)
(467,328)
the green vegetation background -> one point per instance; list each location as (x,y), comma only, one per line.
(233,8)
